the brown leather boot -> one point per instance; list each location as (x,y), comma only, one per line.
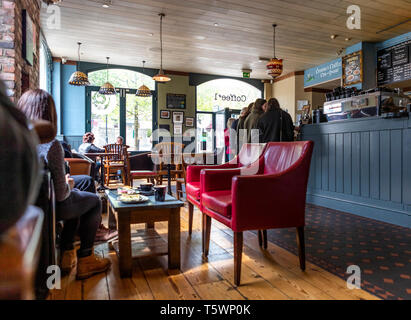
(91,265)
(68,261)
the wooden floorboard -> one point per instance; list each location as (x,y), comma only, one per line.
(266,274)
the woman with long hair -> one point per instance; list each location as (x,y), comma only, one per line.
(275,124)
(78,209)
(241,133)
(251,122)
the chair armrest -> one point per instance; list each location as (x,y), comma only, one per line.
(268,201)
(217,179)
(193,171)
(79,166)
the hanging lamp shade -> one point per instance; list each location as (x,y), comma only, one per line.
(79,78)
(143,91)
(274,66)
(107,88)
(161,77)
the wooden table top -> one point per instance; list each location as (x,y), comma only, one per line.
(169,203)
(100,154)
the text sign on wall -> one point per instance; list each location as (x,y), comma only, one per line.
(326,72)
(394,63)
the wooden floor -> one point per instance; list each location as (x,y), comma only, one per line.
(270,274)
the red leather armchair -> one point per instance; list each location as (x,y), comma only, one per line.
(272,198)
(249,153)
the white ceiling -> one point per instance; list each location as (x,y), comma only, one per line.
(128,32)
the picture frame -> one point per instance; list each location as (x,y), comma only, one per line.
(165,114)
(178,117)
(178,129)
(29,36)
(352,72)
(189,122)
(176,101)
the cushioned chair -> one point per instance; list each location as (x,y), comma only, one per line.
(272,198)
(140,166)
(249,153)
(79,166)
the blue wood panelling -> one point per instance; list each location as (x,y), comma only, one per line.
(362,166)
(355,160)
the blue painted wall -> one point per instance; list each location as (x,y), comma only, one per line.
(362,166)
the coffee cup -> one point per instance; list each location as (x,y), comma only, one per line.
(160,193)
(146,186)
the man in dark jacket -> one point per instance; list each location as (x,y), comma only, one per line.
(275,124)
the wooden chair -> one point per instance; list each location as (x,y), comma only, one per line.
(112,164)
(19,255)
(140,166)
(170,148)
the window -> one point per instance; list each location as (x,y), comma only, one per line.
(219,94)
(123,114)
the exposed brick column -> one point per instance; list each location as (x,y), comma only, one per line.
(13,66)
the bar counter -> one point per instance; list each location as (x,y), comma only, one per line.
(362,166)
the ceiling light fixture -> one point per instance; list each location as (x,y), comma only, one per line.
(161,77)
(107,88)
(333,36)
(143,91)
(79,78)
(274,66)
(215,24)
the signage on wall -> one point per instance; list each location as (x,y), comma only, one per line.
(323,73)
(230,97)
(394,63)
(352,68)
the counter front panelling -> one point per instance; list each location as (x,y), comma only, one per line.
(362,166)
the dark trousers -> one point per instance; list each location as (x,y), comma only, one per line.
(80,210)
(84,183)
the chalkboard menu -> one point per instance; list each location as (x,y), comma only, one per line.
(394,63)
(176,101)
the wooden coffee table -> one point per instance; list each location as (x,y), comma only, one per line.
(147,212)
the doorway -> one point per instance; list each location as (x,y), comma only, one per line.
(123,114)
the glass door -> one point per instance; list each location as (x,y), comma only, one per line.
(139,122)
(205,134)
(105,117)
(123,114)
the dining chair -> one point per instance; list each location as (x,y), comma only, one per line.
(272,197)
(113,163)
(165,148)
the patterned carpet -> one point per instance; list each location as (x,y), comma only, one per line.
(335,240)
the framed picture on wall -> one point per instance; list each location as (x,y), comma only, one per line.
(178,117)
(164,114)
(29,37)
(178,129)
(176,101)
(189,122)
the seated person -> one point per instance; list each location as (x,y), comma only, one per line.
(88,145)
(19,165)
(120,140)
(77,208)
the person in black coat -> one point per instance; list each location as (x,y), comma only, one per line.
(276,124)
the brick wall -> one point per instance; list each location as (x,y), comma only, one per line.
(13,66)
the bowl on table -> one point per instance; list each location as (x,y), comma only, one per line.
(146,186)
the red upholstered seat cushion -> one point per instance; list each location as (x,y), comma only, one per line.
(143,173)
(193,189)
(218,201)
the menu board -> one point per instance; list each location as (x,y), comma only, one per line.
(394,63)
(176,101)
(352,68)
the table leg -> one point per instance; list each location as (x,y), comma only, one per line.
(124,244)
(169,178)
(174,239)
(150,225)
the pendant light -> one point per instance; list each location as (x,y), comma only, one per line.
(161,77)
(274,66)
(79,78)
(143,91)
(107,88)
